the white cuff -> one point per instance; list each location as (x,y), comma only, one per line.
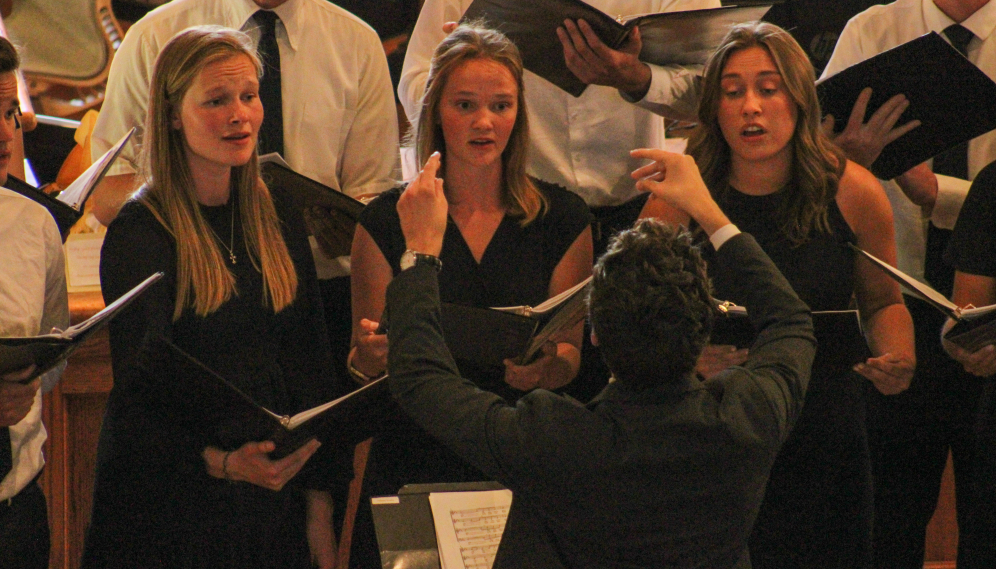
(951,194)
(722,235)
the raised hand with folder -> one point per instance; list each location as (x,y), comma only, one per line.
(595,63)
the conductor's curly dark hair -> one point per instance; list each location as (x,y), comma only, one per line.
(650,305)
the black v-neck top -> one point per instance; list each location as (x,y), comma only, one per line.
(517,264)
(515,269)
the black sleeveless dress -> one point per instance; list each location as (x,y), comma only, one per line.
(817,510)
(515,269)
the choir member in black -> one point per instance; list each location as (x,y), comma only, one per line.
(240,294)
(972,252)
(510,240)
(776,175)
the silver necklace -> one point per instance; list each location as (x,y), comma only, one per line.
(231,238)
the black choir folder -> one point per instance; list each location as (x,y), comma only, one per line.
(206,402)
(67,206)
(840,342)
(491,335)
(669,38)
(950,96)
(975,327)
(48,350)
(334,227)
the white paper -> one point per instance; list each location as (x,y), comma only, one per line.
(83,261)
(76,194)
(469,526)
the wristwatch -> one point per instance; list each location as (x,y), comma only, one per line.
(411,258)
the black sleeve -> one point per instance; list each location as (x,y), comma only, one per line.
(380,219)
(781,358)
(142,457)
(972,248)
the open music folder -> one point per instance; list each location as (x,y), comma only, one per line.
(67,206)
(975,327)
(669,38)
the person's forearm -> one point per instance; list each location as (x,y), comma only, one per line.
(890,331)
(110,195)
(673,92)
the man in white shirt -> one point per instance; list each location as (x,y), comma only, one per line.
(338,111)
(581,143)
(32,300)
(911,433)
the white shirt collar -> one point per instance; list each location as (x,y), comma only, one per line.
(982,23)
(242,10)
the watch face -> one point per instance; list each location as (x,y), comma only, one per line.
(407,260)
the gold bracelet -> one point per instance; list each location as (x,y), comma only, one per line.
(358,375)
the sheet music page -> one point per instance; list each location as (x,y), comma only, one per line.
(469,526)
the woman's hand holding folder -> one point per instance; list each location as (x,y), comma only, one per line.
(251,463)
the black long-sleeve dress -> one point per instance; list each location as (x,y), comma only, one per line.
(154,503)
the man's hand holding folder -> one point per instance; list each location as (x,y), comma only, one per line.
(595,63)
(862,141)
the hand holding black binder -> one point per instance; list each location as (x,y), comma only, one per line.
(669,38)
(48,350)
(330,215)
(840,342)
(950,96)
(201,399)
(491,335)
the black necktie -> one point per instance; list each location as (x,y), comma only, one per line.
(6,452)
(954,161)
(951,162)
(271,134)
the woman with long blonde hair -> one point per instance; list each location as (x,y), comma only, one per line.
(239,294)
(777,176)
(511,240)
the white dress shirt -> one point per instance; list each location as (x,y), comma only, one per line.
(580,143)
(340,120)
(880,28)
(33,300)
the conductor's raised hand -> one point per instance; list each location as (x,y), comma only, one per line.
(595,63)
(675,179)
(863,141)
(423,209)
(251,463)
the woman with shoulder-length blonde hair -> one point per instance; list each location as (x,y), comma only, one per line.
(239,294)
(511,240)
(776,175)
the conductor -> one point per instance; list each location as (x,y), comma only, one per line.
(661,469)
